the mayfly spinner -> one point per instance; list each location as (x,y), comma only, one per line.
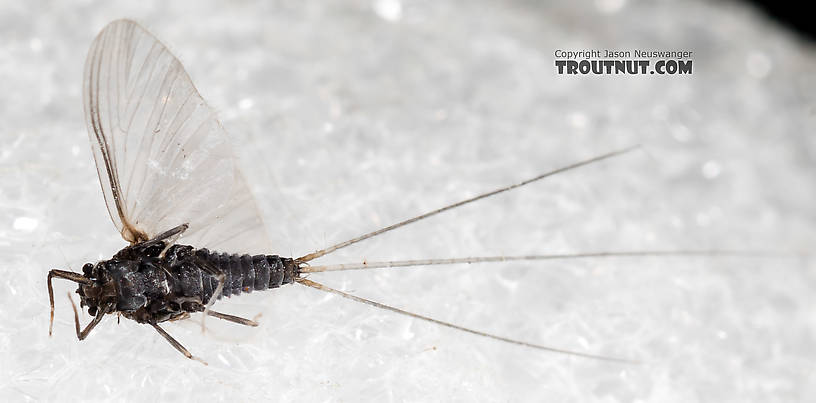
(167,175)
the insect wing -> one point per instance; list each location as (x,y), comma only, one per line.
(162,157)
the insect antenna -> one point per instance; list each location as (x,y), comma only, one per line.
(330,249)
(563,256)
(321,287)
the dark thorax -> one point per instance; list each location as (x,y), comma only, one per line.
(145,285)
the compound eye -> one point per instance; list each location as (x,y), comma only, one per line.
(87,270)
(92,311)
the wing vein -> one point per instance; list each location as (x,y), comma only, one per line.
(162,156)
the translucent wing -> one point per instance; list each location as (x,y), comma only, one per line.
(162,156)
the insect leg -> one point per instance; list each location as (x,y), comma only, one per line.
(324,288)
(172,233)
(176,344)
(184,315)
(170,236)
(235,319)
(98,318)
(68,275)
(221,277)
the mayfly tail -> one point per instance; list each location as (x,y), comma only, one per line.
(564,256)
(323,252)
(324,288)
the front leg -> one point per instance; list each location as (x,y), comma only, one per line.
(68,275)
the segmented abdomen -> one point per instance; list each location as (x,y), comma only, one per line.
(242,273)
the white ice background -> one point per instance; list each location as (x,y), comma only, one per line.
(348,116)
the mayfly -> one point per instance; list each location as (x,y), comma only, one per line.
(167,175)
